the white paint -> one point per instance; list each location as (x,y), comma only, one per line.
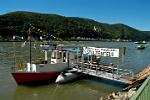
(28,67)
(45,55)
(33,68)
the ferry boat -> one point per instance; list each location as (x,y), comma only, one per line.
(45,70)
(41,71)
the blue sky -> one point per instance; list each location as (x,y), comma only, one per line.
(135,13)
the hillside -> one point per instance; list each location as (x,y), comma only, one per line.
(66,28)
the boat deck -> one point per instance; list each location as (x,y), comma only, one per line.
(43,68)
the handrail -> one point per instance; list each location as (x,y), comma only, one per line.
(141,91)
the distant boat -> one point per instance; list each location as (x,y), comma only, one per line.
(47,45)
(141,47)
(141,42)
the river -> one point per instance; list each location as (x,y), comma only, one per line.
(84,89)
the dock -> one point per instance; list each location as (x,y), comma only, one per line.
(106,72)
(88,61)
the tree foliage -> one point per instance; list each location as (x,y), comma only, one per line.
(67,28)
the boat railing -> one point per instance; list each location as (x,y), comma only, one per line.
(19,67)
(101,69)
(142,92)
(27,67)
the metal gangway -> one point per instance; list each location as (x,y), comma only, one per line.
(105,71)
(110,72)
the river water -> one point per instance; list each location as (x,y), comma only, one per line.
(84,89)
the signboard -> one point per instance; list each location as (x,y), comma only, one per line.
(105,52)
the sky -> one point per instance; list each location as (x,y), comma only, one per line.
(134,13)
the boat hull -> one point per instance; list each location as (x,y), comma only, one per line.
(29,77)
(67,77)
(140,48)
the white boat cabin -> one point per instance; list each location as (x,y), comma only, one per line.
(59,56)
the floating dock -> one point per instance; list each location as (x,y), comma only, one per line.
(88,61)
(106,72)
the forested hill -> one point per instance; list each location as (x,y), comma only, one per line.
(66,28)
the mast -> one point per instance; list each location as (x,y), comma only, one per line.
(14,52)
(30,43)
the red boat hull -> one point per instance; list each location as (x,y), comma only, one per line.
(29,77)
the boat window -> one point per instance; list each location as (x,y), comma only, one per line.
(59,55)
(64,56)
(53,55)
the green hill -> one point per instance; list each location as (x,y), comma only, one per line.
(66,28)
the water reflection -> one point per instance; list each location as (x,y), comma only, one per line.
(80,90)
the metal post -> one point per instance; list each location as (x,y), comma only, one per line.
(68,58)
(117,71)
(45,55)
(96,69)
(82,57)
(14,54)
(77,57)
(91,63)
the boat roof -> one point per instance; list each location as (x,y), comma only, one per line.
(74,49)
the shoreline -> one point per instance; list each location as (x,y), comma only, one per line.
(66,40)
(120,95)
